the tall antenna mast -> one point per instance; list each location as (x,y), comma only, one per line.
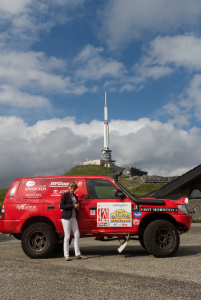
(106,152)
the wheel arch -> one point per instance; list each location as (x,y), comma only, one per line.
(36,219)
(146,220)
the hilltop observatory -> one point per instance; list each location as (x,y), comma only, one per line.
(106,153)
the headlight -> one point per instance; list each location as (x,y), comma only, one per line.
(183,209)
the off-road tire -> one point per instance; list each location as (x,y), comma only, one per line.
(161,238)
(39,240)
(142,241)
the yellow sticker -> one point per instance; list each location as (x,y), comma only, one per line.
(120,215)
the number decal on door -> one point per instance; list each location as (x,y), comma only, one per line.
(103,214)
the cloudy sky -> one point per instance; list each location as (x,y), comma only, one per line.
(57,58)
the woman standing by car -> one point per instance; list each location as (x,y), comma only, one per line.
(69,203)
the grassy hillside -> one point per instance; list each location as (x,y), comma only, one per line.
(132,186)
(140,189)
(90,170)
(3,193)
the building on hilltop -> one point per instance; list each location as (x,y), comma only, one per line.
(133,171)
(98,162)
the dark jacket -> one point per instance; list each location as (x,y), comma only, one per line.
(67,205)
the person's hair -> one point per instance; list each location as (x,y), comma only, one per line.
(73,183)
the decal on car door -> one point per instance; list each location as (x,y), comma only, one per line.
(114,214)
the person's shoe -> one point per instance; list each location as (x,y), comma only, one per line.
(67,258)
(81,257)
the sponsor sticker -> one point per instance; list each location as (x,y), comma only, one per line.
(106,224)
(33,195)
(136,222)
(61,183)
(36,188)
(58,193)
(26,207)
(120,215)
(103,214)
(159,209)
(137,214)
(92,212)
(114,214)
(30,183)
(135,207)
(121,205)
(100,224)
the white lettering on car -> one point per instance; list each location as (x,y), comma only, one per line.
(26,207)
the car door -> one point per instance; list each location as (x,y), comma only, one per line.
(58,186)
(104,211)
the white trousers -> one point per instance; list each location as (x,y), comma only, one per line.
(67,226)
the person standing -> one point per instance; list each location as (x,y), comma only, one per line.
(69,203)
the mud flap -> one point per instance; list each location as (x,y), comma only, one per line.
(123,246)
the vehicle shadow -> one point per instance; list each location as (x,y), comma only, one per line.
(128,252)
(100,251)
(188,251)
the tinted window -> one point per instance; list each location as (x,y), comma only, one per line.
(195,194)
(33,188)
(100,189)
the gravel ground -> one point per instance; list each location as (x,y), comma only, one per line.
(134,274)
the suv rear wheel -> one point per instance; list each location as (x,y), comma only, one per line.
(161,238)
(39,240)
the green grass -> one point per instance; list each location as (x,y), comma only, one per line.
(3,193)
(196,221)
(144,189)
(90,170)
(140,189)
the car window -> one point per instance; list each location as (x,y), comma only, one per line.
(33,188)
(195,194)
(100,189)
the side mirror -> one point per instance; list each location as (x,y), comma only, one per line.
(119,194)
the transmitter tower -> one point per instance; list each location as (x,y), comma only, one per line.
(106,153)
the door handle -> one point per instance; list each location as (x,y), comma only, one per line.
(92,207)
(51,207)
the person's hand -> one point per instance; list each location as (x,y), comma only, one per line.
(76,205)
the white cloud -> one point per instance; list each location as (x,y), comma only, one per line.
(179,51)
(94,66)
(24,19)
(187,106)
(27,78)
(125,20)
(10,96)
(166,55)
(51,147)
(13,6)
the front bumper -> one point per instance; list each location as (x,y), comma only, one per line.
(184,219)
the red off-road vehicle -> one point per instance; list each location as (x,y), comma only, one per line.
(31,213)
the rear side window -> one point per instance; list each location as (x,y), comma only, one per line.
(33,188)
(59,186)
(100,189)
(13,189)
(195,194)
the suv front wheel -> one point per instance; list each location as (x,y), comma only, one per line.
(39,240)
(161,238)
